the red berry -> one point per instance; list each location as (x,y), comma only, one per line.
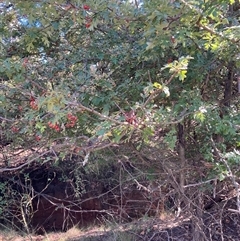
(56,127)
(37,138)
(14,129)
(50,124)
(69,116)
(86,7)
(88,25)
(68,125)
(71,120)
(33,105)
(71,123)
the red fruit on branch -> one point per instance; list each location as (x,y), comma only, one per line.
(14,129)
(50,124)
(55,126)
(131,117)
(86,7)
(70,124)
(38,138)
(88,21)
(33,103)
(71,120)
(88,25)
(71,117)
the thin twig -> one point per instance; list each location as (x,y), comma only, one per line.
(82,107)
(199,183)
(158,91)
(231,175)
(7,169)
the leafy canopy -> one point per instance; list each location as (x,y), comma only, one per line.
(118,71)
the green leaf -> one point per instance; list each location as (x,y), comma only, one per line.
(199,116)
(45,41)
(157,85)
(101,132)
(170,139)
(40,126)
(30,47)
(147,133)
(150,45)
(182,75)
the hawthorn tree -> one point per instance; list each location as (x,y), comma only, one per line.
(77,77)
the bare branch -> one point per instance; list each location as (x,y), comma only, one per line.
(8,169)
(231,175)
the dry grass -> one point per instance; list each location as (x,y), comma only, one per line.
(137,230)
(72,234)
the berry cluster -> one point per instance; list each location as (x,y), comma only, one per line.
(87,18)
(33,103)
(88,22)
(131,118)
(71,120)
(55,126)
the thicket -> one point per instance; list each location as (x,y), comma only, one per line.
(151,85)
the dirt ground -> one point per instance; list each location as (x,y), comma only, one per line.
(220,222)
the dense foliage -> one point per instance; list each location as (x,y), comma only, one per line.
(72,71)
(81,76)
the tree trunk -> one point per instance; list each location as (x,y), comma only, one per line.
(181,153)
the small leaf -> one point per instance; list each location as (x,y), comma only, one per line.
(199,116)
(101,132)
(157,85)
(117,138)
(40,126)
(182,74)
(147,132)
(30,46)
(170,139)
(45,41)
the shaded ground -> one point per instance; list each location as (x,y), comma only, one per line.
(47,199)
(220,223)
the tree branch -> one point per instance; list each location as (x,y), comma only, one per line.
(231,175)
